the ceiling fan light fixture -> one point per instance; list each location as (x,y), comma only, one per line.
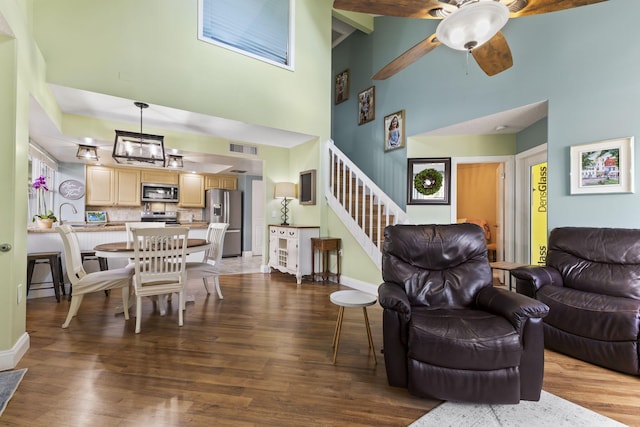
(472,25)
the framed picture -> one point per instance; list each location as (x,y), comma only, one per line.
(428,181)
(394,131)
(342,86)
(307,187)
(366,105)
(602,167)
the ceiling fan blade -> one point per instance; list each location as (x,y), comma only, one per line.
(407,58)
(401,8)
(536,7)
(494,56)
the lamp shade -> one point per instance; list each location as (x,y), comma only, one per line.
(473,24)
(286,190)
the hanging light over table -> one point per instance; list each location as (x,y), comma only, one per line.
(139,148)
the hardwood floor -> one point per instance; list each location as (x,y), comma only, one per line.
(262,356)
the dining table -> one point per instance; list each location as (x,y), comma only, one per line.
(124,249)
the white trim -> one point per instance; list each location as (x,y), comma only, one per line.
(524,161)
(368,288)
(10,358)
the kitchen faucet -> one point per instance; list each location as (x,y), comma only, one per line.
(75,211)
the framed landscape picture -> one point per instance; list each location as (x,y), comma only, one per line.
(602,167)
(428,181)
(394,131)
(366,105)
(342,86)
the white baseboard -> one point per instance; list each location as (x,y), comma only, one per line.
(365,287)
(10,358)
(247,254)
(265,269)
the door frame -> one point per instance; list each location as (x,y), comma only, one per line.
(524,161)
(508,228)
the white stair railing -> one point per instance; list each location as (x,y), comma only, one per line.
(359,203)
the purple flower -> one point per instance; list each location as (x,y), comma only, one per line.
(40,183)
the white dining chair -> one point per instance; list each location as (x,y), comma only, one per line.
(83,282)
(210,263)
(129,226)
(159,259)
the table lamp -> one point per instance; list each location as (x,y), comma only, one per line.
(286,191)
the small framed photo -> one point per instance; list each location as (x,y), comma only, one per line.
(366,105)
(428,181)
(342,87)
(394,131)
(602,167)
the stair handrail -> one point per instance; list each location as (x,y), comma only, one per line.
(346,193)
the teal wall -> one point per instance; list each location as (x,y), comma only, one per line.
(585,66)
(534,135)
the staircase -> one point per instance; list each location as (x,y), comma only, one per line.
(361,205)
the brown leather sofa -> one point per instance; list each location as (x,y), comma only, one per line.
(448,333)
(591,283)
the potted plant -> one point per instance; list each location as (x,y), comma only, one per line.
(45,217)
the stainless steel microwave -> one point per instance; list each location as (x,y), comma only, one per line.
(159,193)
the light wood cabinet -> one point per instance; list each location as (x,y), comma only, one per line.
(100,186)
(226,182)
(290,249)
(158,177)
(127,187)
(191,190)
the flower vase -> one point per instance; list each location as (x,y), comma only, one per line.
(44,223)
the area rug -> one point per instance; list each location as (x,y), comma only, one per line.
(551,411)
(8,385)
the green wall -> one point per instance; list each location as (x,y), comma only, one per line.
(585,66)
(146,50)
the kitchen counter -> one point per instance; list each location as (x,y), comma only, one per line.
(111,226)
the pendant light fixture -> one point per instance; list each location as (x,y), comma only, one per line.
(139,148)
(87,152)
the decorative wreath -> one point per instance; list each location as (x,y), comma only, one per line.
(428,182)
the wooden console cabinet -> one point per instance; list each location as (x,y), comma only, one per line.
(290,249)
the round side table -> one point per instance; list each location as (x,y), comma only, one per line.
(351,298)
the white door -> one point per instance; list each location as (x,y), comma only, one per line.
(524,163)
(257,217)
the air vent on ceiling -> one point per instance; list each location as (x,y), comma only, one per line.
(243,149)
(237,171)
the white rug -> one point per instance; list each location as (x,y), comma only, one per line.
(551,411)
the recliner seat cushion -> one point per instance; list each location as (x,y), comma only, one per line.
(463,339)
(594,316)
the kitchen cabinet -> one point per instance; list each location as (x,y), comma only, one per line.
(100,186)
(191,190)
(108,186)
(290,249)
(225,182)
(158,177)
(127,187)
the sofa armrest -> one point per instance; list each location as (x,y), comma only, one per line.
(393,297)
(514,307)
(531,278)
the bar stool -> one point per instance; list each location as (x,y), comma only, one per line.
(55,264)
(351,298)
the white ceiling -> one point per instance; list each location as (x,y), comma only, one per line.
(106,107)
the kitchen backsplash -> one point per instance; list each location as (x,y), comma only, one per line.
(124,214)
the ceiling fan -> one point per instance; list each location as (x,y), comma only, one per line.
(468,25)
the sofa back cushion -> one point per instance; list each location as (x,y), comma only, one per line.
(439,266)
(599,260)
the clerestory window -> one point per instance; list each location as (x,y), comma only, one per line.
(262,29)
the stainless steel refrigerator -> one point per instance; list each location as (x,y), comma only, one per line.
(226,206)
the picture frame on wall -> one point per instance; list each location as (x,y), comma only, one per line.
(341,90)
(602,167)
(366,105)
(429,181)
(394,137)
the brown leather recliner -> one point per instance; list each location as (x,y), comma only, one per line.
(448,333)
(591,283)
